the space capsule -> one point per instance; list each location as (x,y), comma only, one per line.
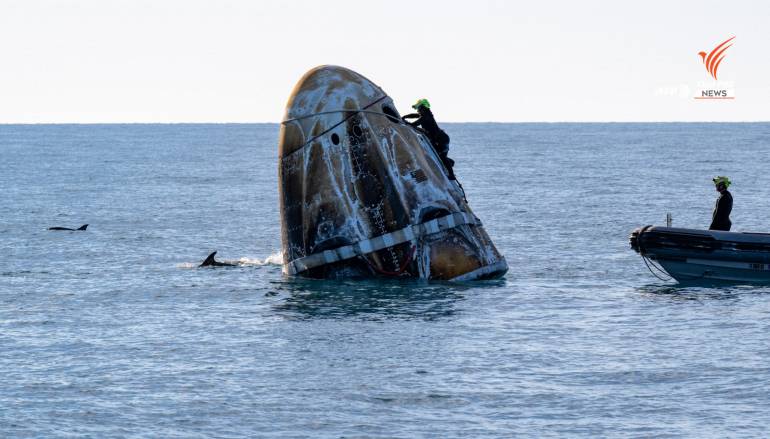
(363,194)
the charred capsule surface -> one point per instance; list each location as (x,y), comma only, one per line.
(364,195)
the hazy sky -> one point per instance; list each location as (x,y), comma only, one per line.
(237,61)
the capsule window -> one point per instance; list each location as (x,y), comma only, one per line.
(391,113)
(431,213)
(335,139)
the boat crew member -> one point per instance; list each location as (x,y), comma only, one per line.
(720,219)
(438,138)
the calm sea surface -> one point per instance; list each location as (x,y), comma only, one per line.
(113,332)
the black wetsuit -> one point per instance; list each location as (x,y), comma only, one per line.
(720,220)
(438,138)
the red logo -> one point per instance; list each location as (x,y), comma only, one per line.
(713,59)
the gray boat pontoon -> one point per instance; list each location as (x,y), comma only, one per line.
(691,255)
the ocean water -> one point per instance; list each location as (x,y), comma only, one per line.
(114,332)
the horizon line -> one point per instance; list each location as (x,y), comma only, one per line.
(443,122)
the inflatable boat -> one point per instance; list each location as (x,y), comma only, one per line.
(691,255)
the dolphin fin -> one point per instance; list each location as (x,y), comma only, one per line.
(83,227)
(209,261)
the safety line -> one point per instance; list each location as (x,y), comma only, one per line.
(333,126)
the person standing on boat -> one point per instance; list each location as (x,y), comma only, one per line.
(438,138)
(720,219)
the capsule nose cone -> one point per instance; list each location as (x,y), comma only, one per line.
(322,89)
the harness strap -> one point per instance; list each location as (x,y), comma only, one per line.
(353,113)
(408,233)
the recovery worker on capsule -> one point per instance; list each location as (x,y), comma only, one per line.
(437,136)
(720,219)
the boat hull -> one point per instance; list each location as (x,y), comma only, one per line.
(696,256)
(693,270)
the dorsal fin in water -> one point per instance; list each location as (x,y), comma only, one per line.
(209,260)
(81,228)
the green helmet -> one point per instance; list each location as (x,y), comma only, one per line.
(421,103)
(721,179)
